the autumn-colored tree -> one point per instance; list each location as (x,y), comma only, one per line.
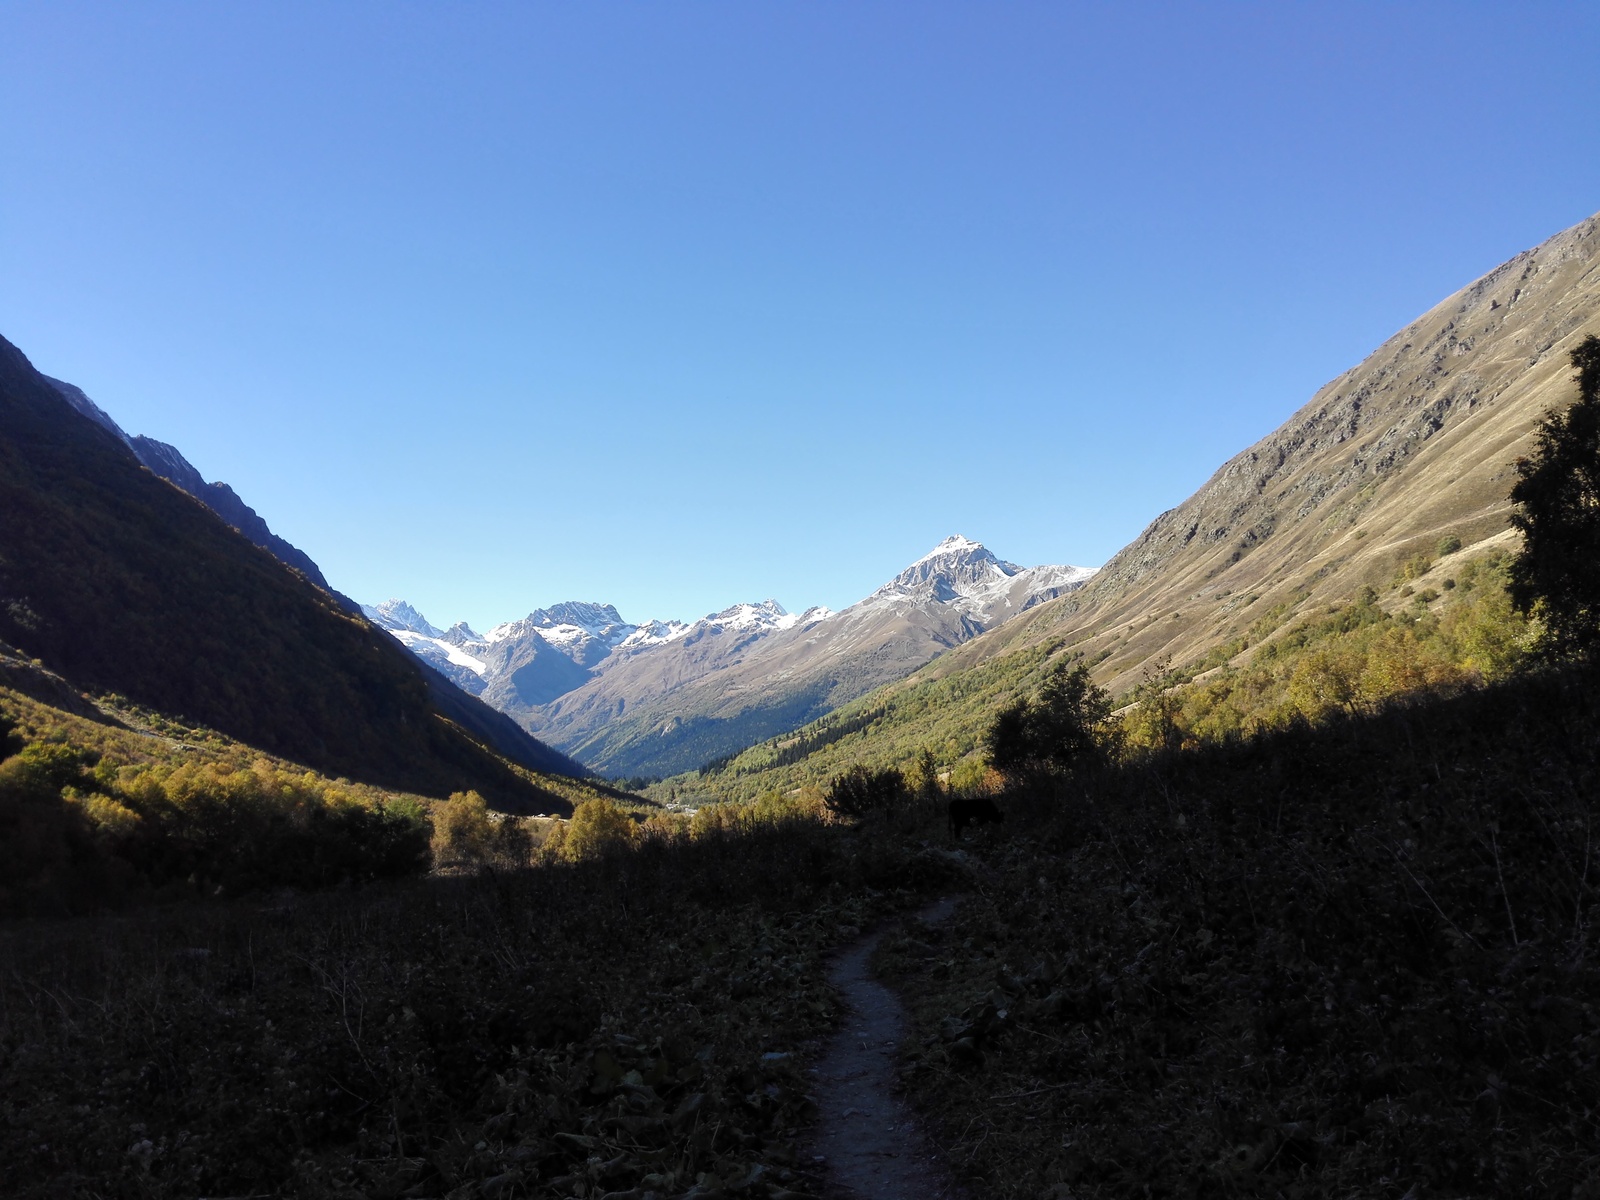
(462,830)
(598,827)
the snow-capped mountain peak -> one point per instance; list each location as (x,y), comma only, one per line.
(451,653)
(593,618)
(956,567)
(397,615)
(583,631)
(768,614)
(966,575)
(955,544)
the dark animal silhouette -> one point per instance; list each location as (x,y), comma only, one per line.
(981,811)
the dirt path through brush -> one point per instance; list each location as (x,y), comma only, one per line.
(870,1145)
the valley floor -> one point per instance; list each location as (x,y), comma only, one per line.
(1354,958)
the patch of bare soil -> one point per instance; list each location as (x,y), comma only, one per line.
(867,1140)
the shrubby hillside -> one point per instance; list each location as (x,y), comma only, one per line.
(104,804)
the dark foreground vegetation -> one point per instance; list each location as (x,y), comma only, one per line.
(628,1025)
(1353,959)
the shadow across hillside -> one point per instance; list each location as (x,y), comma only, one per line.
(120,582)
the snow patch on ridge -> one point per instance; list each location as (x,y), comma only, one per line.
(454,655)
(654,633)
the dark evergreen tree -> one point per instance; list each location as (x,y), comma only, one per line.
(1556,577)
(927,775)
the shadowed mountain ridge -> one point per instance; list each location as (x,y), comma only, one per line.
(122,583)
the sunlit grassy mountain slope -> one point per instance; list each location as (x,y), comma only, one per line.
(1414,445)
(122,583)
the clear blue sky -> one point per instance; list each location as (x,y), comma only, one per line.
(674,305)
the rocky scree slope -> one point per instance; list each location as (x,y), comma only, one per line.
(1416,444)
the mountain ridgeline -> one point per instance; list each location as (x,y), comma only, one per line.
(1397,472)
(124,584)
(665,696)
(169,463)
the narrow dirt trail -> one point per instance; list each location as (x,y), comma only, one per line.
(871,1145)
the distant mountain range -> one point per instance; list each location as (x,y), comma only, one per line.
(551,651)
(1412,449)
(665,696)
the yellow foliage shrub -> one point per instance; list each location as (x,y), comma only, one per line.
(1325,680)
(598,827)
(109,818)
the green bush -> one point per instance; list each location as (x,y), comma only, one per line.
(863,792)
(1057,731)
